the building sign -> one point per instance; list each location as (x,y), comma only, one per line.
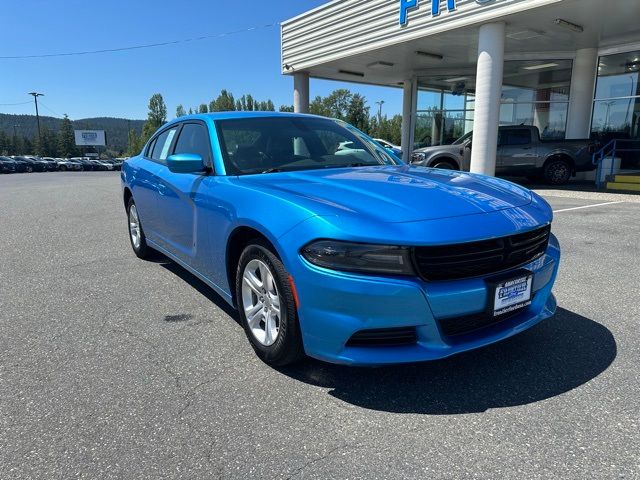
(90,138)
(408,5)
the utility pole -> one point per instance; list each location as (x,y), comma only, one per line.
(35,99)
(15,131)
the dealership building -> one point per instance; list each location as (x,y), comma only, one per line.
(569,67)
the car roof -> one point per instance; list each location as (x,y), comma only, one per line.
(239,115)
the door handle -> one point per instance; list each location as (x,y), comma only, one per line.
(162,189)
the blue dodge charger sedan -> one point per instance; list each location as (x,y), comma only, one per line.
(329,246)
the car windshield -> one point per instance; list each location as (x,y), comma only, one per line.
(463,139)
(276,144)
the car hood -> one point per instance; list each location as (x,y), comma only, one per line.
(392,193)
(438,149)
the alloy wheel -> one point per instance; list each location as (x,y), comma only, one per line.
(134,227)
(261,302)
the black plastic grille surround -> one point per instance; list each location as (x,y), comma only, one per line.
(384,337)
(467,260)
(471,323)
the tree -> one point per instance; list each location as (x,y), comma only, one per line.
(318,107)
(190,111)
(66,140)
(287,108)
(5,143)
(203,108)
(180,111)
(224,103)
(135,143)
(358,112)
(156,118)
(250,106)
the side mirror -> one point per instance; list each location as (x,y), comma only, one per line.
(185,163)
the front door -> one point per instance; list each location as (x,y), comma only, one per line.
(181,196)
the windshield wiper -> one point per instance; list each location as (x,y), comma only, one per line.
(273,170)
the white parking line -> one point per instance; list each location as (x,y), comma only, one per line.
(586,206)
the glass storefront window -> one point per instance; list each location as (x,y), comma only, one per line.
(616,110)
(535,92)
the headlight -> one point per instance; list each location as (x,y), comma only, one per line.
(358,257)
(418,157)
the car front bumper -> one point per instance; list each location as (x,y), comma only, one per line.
(335,305)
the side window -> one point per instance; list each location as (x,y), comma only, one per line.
(149,151)
(517,137)
(194,138)
(163,144)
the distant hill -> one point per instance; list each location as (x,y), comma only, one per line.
(117,128)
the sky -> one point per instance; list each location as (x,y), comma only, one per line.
(120,84)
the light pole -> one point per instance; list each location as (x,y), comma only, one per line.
(15,131)
(380,103)
(35,99)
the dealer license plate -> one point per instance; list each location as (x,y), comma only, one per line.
(511,295)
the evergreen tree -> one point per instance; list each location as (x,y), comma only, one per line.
(190,111)
(203,108)
(287,108)
(135,143)
(66,140)
(156,118)
(180,111)
(358,112)
(5,143)
(250,106)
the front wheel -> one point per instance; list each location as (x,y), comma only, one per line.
(557,172)
(267,307)
(136,233)
(444,165)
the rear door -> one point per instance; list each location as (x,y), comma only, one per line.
(518,151)
(180,195)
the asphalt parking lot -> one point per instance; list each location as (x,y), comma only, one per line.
(111,367)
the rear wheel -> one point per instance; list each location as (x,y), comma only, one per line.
(267,307)
(557,171)
(136,233)
(63,168)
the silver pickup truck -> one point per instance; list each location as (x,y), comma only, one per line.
(521,152)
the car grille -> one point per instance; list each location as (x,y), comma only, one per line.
(467,260)
(452,327)
(384,337)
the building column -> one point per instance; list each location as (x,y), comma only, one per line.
(301,92)
(409,106)
(583,82)
(484,149)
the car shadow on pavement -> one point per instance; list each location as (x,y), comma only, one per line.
(199,285)
(552,358)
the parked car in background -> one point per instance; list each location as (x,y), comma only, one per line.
(7,165)
(36,165)
(116,165)
(52,163)
(521,153)
(21,165)
(102,166)
(395,149)
(65,165)
(347,255)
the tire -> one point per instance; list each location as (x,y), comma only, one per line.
(138,239)
(283,345)
(444,165)
(557,172)
(63,168)
(29,169)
